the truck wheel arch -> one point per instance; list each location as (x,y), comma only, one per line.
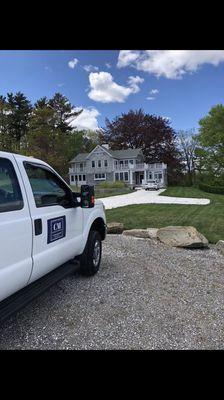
(99,226)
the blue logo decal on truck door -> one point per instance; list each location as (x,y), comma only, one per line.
(56,229)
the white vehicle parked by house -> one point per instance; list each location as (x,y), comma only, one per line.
(46,230)
(151,185)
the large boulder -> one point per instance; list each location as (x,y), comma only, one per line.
(182,236)
(220,246)
(115,227)
(140,233)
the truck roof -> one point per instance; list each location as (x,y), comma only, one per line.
(20,156)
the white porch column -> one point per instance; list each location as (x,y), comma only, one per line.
(131,176)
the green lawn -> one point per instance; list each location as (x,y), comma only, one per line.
(208,219)
(106,192)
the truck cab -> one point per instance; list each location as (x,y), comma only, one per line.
(43,224)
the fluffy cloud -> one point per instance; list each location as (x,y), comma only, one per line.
(90,68)
(105,90)
(154,91)
(73,63)
(87,120)
(150,98)
(108,65)
(133,82)
(172,64)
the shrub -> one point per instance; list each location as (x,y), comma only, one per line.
(111,185)
(211,189)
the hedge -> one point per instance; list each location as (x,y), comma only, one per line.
(211,189)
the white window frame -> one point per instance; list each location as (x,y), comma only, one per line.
(100,179)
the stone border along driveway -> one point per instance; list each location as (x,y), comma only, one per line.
(148,197)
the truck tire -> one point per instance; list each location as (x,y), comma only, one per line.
(91,256)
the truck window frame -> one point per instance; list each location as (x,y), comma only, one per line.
(46,168)
(11,207)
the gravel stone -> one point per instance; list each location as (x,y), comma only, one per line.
(145,296)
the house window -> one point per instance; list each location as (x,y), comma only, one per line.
(76,178)
(150,175)
(115,162)
(126,176)
(80,178)
(81,167)
(158,175)
(72,178)
(84,178)
(99,163)
(126,163)
(121,176)
(116,176)
(93,164)
(131,162)
(99,177)
(105,163)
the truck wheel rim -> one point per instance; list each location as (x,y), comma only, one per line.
(96,253)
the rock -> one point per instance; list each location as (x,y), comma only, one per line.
(140,233)
(152,232)
(182,236)
(115,227)
(220,246)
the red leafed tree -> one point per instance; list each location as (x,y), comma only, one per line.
(153,134)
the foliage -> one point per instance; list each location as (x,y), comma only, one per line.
(151,133)
(108,185)
(188,144)
(211,140)
(211,189)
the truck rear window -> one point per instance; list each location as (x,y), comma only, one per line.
(10,193)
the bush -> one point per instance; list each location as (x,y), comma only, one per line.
(111,185)
(211,189)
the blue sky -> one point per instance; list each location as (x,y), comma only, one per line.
(179,85)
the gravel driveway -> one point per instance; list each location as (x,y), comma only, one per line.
(146,296)
(146,197)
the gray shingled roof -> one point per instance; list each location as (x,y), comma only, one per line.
(80,157)
(118,154)
(129,153)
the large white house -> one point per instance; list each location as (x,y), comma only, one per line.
(104,164)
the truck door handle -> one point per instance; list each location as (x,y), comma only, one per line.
(38,226)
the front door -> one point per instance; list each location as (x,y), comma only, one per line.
(15,229)
(57,224)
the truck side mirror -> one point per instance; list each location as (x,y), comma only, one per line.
(87,196)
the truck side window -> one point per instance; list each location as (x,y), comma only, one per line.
(48,189)
(10,193)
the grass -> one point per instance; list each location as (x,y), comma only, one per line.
(209,219)
(106,192)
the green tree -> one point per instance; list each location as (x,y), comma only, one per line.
(18,116)
(64,112)
(211,141)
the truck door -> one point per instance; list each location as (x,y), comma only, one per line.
(57,225)
(15,229)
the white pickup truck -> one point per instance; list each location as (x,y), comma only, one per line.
(46,230)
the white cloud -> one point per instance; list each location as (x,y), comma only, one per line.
(127,57)
(108,65)
(87,120)
(150,98)
(133,82)
(90,68)
(172,64)
(105,90)
(154,91)
(73,63)
(61,84)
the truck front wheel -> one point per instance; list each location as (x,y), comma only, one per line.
(91,257)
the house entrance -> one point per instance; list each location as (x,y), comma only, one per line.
(139,176)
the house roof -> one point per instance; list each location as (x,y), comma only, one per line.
(80,157)
(118,154)
(128,153)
